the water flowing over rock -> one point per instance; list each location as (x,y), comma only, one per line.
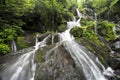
(63,60)
(23,68)
(117,44)
(83,59)
(13,46)
(57,64)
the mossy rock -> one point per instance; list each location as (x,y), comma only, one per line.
(105,29)
(76,32)
(22,43)
(39,56)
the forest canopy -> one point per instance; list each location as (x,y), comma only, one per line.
(17,16)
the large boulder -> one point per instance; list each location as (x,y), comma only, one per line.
(56,64)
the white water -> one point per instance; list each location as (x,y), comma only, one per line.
(13,46)
(117,44)
(95,23)
(88,65)
(52,39)
(24,67)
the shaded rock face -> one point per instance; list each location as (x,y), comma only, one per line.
(114,61)
(57,64)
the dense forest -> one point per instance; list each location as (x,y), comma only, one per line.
(19,16)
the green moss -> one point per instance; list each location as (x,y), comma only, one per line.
(87,33)
(21,43)
(77,32)
(90,48)
(39,56)
(102,59)
(105,29)
(62,28)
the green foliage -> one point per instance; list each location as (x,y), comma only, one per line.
(113,3)
(62,28)
(4,49)
(105,29)
(87,33)
(91,35)
(11,21)
(114,8)
(53,13)
(7,35)
(50,16)
(87,22)
(105,9)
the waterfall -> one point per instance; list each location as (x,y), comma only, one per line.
(23,68)
(82,57)
(13,46)
(79,14)
(36,39)
(52,39)
(74,19)
(95,23)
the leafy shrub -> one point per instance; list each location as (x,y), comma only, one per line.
(4,49)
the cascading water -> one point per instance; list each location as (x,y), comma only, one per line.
(24,67)
(52,39)
(95,23)
(84,60)
(13,46)
(117,44)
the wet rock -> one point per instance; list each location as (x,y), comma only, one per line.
(54,38)
(25,41)
(117,72)
(9,58)
(57,64)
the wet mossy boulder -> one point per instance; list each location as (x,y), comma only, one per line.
(25,42)
(77,32)
(86,32)
(105,29)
